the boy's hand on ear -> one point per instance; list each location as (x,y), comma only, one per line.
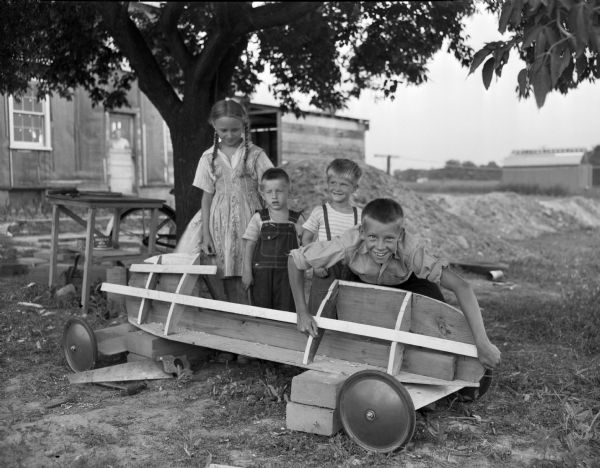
(489,355)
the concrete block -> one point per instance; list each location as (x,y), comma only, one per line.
(312,419)
(317,388)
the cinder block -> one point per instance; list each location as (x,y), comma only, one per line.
(317,388)
(313,419)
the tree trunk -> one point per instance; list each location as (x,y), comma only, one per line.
(191,136)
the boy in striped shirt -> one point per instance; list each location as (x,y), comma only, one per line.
(331,220)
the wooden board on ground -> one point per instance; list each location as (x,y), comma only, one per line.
(141,370)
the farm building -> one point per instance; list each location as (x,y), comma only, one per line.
(566,168)
(57,142)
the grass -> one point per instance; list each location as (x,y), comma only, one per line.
(542,410)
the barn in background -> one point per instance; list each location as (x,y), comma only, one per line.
(59,143)
(567,168)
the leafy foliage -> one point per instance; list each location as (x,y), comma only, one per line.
(559,40)
(187,55)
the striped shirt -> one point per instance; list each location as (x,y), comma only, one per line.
(338,222)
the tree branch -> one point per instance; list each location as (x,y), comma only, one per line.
(168,25)
(152,81)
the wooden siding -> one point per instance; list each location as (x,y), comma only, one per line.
(63,138)
(310,138)
(90,134)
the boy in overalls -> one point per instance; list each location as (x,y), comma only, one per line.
(270,235)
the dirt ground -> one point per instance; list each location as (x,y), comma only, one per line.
(541,411)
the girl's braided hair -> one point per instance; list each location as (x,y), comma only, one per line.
(230,108)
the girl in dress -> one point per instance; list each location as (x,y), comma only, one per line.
(228,173)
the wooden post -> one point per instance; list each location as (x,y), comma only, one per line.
(54,244)
(396,349)
(87,264)
(389,161)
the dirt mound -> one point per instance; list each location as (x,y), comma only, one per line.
(447,233)
(514,217)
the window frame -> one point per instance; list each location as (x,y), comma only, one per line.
(30,145)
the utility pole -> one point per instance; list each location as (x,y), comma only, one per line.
(389,160)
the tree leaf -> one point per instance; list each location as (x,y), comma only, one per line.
(487,72)
(505,16)
(522,80)
(516,13)
(554,68)
(530,35)
(480,55)
(541,85)
(583,18)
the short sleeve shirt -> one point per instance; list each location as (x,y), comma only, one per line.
(338,222)
(257,160)
(410,257)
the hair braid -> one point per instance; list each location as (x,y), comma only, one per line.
(215,150)
(246,145)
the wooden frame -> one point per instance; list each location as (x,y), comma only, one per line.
(360,326)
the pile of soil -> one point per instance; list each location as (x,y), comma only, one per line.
(445,233)
(475,227)
(515,217)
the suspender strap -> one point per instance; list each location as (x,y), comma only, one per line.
(355,215)
(264,214)
(326,219)
(293,216)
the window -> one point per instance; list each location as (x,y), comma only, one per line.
(29,120)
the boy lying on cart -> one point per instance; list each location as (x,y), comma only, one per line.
(380,251)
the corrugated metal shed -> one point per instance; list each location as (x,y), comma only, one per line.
(565,168)
(545,157)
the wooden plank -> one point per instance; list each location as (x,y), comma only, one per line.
(326,309)
(54,245)
(140,370)
(152,231)
(152,346)
(185,286)
(112,340)
(77,218)
(290,317)
(430,363)
(396,349)
(188,269)
(356,305)
(145,303)
(423,395)
(469,369)
(288,356)
(87,261)
(435,318)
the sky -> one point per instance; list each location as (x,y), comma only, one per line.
(453,116)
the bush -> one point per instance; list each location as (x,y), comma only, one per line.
(525,189)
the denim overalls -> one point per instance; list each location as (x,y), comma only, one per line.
(269,265)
